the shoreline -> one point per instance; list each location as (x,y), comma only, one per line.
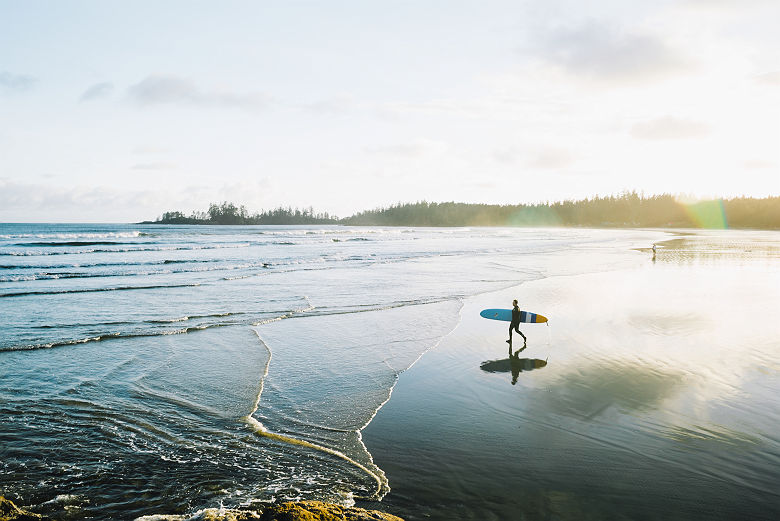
(469,436)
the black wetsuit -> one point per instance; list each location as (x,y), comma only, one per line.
(515,324)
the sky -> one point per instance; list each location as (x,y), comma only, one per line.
(119,111)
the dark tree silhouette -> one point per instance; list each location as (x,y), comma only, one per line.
(628,209)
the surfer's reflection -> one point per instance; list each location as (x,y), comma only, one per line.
(513,364)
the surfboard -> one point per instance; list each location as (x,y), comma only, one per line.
(506,316)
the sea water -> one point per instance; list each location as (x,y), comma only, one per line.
(149,369)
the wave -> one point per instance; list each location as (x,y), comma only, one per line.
(104,235)
(136,323)
(102,264)
(31,347)
(81,275)
(95,290)
(72,243)
(154,327)
(194,317)
(45,276)
(109,336)
(37,253)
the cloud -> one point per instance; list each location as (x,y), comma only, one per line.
(768,78)
(669,127)
(154,166)
(758,164)
(149,150)
(726,5)
(541,157)
(550,158)
(437,107)
(48,202)
(165,89)
(97,91)
(16,82)
(414,149)
(335,105)
(600,52)
(507,155)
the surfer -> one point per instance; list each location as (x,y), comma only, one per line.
(515,324)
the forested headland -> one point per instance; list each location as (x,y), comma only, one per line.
(624,210)
(230,214)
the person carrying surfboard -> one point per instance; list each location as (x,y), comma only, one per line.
(515,324)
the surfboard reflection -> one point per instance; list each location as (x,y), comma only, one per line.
(513,364)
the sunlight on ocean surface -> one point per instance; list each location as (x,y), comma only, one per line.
(165,369)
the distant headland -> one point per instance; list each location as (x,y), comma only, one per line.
(626,210)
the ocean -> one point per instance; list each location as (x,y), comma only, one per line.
(151,370)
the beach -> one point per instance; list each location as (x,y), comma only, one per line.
(152,370)
(651,395)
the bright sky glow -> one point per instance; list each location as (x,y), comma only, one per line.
(118,111)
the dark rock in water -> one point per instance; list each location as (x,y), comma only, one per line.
(319,511)
(215,514)
(300,511)
(10,512)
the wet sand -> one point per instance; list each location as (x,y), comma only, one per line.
(658,400)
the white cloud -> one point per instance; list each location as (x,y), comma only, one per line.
(97,91)
(599,51)
(39,202)
(16,82)
(768,78)
(44,202)
(166,89)
(154,166)
(758,164)
(149,150)
(727,5)
(550,158)
(543,157)
(439,107)
(335,105)
(669,127)
(506,155)
(416,149)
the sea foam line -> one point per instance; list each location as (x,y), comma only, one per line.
(95,290)
(382,486)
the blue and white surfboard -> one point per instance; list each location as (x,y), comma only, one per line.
(506,316)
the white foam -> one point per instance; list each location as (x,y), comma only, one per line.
(104,235)
(382,486)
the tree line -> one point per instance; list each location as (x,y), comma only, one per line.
(229,214)
(628,209)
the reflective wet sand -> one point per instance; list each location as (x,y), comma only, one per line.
(652,395)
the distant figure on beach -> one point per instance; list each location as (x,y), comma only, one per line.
(515,324)
(653,252)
